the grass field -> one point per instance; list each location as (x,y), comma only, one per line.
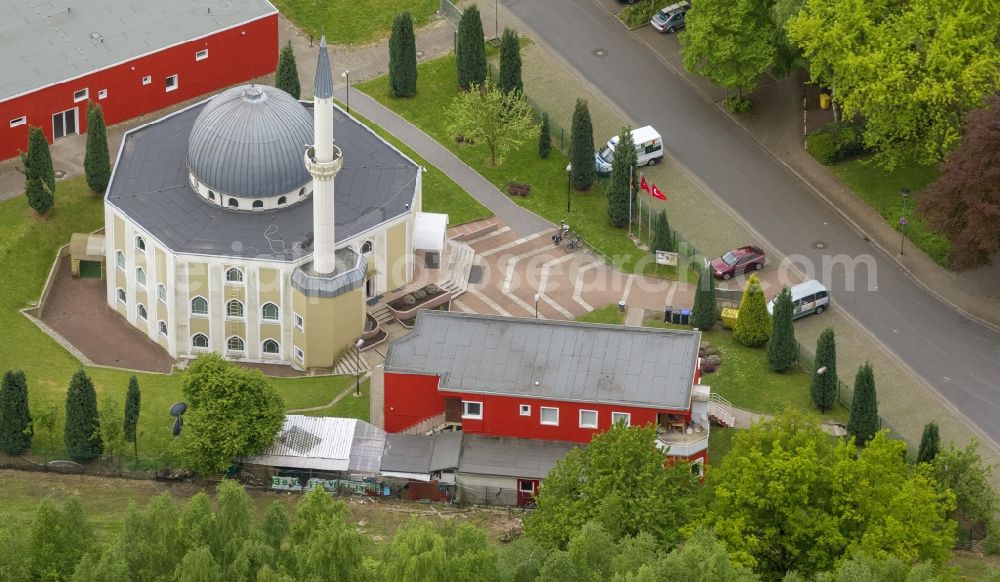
(607,314)
(436,87)
(350,406)
(347,21)
(881,190)
(27,248)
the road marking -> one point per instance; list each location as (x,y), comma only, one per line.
(578,284)
(512,244)
(461,306)
(544,278)
(565,312)
(628,288)
(488,235)
(489,302)
(512,263)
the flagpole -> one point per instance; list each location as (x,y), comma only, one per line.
(630,177)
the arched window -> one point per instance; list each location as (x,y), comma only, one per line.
(271,347)
(199,306)
(281,201)
(234,308)
(140,310)
(140,276)
(302,192)
(140,244)
(367,247)
(120,260)
(199,341)
(270,312)
(234,203)
(235,344)
(162,325)
(258,204)
(234,275)
(121,295)
(161,292)
(211,195)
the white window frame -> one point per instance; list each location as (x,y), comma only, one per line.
(300,324)
(207,345)
(77,97)
(700,463)
(299,354)
(597,418)
(140,244)
(267,354)
(274,319)
(529,482)
(166,82)
(541,415)
(524,409)
(161,292)
(201,55)
(243,310)
(242,276)
(469,415)
(141,312)
(19,121)
(140,277)
(102,94)
(616,416)
(198,313)
(121,296)
(242,341)
(161,326)
(370,243)
(120,260)
(147,79)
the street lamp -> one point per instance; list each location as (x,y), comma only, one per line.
(357,375)
(537,297)
(347,75)
(905,193)
(569,170)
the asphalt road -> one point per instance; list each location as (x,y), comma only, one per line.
(958,357)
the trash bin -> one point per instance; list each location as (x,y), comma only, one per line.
(824,101)
(621,306)
(729,316)
(685,317)
(668,313)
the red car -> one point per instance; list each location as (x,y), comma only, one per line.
(737,261)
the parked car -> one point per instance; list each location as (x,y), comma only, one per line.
(648,149)
(808,297)
(738,261)
(671,18)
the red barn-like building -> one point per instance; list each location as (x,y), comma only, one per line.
(132,57)
(550,380)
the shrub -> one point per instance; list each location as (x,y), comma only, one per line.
(835,142)
(737,103)
(409,300)
(714,359)
(420,295)
(518,189)
(432,289)
(638,14)
(822,147)
(707,367)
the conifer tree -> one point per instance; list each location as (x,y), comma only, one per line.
(824,385)
(39,175)
(864,421)
(132,403)
(470,53)
(97,159)
(703,314)
(544,137)
(753,325)
(581,148)
(619,188)
(510,62)
(930,443)
(403,57)
(286,77)
(663,236)
(782,350)
(82,436)
(15,417)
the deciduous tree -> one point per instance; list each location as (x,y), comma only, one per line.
(403,57)
(83,425)
(782,349)
(470,51)
(825,381)
(112,430)
(753,325)
(544,137)
(963,473)
(286,76)
(97,158)
(45,419)
(198,565)
(15,416)
(930,443)
(233,412)
(619,187)
(131,420)
(963,203)
(864,421)
(703,314)
(581,148)
(58,538)
(510,62)
(501,120)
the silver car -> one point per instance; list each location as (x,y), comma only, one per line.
(671,18)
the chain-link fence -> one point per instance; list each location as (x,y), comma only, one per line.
(450,12)
(487,496)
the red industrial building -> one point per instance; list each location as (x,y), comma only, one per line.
(130,57)
(546,380)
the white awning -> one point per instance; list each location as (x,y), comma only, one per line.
(429,231)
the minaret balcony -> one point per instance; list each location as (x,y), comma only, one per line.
(323,170)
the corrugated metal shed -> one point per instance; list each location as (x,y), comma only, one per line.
(510,457)
(47,41)
(324,444)
(561,360)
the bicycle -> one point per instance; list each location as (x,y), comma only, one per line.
(575,243)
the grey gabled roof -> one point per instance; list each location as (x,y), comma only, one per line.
(323,86)
(510,457)
(46,41)
(559,360)
(421,454)
(150,185)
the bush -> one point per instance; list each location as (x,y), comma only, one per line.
(432,289)
(835,142)
(714,359)
(420,295)
(707,367)
(518,189)
(822,147)
(737,104)
(409,300)
(637,14)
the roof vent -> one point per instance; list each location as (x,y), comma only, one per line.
(96,36)
(254,94)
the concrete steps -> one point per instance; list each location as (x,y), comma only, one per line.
(475,229)
(459,267)
(425,426)
(720,411)
(383,315)
(350,364)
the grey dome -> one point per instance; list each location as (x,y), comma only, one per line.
(248,141)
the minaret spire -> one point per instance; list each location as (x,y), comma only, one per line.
(323,160)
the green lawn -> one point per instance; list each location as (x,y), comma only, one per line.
(720,442)
(747,382)
(350,406)
(350,21)
(27,248)
(441,193)
(436,87)
(881,190)
(606,314)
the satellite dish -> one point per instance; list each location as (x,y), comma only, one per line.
(178,424)
(178,409)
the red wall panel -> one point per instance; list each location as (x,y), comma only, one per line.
(409,399)
(235,55)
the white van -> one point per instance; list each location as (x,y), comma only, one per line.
(648,149)
(808,297)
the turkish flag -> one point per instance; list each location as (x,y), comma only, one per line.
(642,184)
(656,193)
